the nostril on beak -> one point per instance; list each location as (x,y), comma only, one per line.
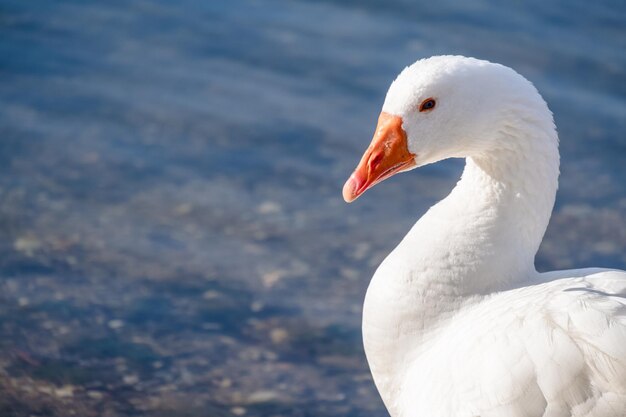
(375,161)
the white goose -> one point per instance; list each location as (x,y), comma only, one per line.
(457,321)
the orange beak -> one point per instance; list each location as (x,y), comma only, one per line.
(387,155)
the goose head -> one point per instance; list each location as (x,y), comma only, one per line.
(438,108)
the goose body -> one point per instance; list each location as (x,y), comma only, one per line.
(456,320)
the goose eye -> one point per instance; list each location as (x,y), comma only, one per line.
(428,104)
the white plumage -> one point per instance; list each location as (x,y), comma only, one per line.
(456,321)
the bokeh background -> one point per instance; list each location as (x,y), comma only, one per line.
(173,240)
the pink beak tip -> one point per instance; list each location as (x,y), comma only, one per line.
(349,189)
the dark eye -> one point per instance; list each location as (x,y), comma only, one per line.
(428,104)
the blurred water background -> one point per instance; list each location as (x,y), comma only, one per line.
(173,240)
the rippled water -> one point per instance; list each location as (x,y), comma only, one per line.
(172,235)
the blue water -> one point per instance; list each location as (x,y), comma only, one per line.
(172,235)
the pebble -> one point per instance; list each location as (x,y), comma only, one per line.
(279,335)
(361,250)
(27,244)
(273,277)
(238,411)
(45,390)
(183,209)
(95,395)
(256,306)
(116,324)
(210,295)
(263,396)
(130,379)
(65,391)
(269,207)
(349,273)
